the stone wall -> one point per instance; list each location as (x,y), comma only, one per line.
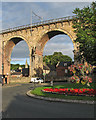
(57,78)
(20,80)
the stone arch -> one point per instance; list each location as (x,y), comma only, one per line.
(46,36)
(17,36)
(8,47)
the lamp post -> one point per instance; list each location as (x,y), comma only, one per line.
(2,57)
(44,74)
(40,18)
(3,79)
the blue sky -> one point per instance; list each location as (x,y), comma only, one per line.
(19,13)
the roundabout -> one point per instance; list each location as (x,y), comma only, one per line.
(58,99)
(65,92)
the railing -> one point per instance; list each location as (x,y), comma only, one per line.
(38,23)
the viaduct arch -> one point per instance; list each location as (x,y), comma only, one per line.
(8,47)
(49,34)
(36,37)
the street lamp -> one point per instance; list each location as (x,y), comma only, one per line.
(40,18)
(2,57)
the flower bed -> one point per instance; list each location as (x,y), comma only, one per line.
(81,73)
(71,91)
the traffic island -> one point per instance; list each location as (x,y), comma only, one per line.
(58,99)
(65,92)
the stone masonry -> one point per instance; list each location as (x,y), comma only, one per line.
(36,40)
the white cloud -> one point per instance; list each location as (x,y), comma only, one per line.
(48,1)
(16,59)
(59,44)
(20,61)
(19,13)
(21,50)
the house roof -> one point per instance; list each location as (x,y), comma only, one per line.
(62,64)
(52,67)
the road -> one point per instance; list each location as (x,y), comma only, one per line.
(16,104)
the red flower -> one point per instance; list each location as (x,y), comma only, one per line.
(90,80)
(80,67)
(55,90)
(76,90)
(84,91)
(80,91)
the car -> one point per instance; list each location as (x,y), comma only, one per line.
(36,80)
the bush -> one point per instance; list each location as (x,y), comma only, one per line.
(81,73)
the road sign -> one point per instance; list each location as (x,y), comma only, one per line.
(44,73)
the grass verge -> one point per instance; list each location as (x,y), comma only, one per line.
(38,91)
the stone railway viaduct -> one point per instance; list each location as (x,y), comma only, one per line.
(36,36)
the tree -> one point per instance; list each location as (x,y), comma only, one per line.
(57,56)
(16,66)
(85,28)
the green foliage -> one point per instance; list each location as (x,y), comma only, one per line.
(85,28)
(57,56)
(16,66)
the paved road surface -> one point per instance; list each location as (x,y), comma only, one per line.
(17,105)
